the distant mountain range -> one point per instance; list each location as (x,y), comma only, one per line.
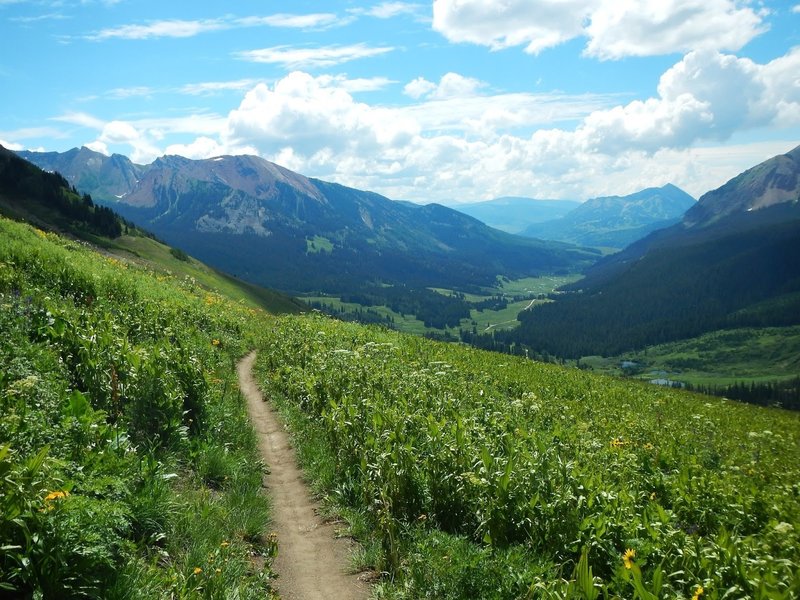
(277,228)
(515,214)
(732,261)
(616,221)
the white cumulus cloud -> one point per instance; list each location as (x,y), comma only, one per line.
(622,28)
(613,28)
(418,88)
(11,145)
(451,85)
(311,116)
(202,147)
(536,24)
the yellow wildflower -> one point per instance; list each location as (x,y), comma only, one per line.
(56,496)
(225,544)
(48,500)
(698,592)
(197,570)
(215,342)
(628,557)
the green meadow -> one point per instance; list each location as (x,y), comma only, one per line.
(128,468)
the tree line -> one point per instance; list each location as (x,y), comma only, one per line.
(36,190)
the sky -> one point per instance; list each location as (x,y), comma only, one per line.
(448,101)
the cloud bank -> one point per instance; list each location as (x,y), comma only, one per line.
(461,141)
(614,28)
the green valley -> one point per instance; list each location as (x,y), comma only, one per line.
(484,310)
(129,469)
(721,357)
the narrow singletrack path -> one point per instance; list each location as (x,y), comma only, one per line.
(311,563)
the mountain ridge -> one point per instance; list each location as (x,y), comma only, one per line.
(514,214)
(251,217)
(617,221)
(770,183)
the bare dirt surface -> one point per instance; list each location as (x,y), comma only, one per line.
(311,563)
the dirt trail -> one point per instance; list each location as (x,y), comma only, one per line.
(311,563)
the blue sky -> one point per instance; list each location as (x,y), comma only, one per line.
(451,100)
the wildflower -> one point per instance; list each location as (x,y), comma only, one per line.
(56,496)
(217,571)
(698,592)
(197,570)
(215,342)
(628,557)
(617,443)
(225,544)
(783,528)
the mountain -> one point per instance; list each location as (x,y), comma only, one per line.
(515,214)
(774,182)
(616,221)
(104,177)
(733,261)
(46,200)
(274,227)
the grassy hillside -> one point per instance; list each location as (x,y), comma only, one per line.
(171,262)
(717,358)
(478,475)
(127,467)
(129,470)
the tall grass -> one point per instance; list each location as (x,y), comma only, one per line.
(127,466)
(485,475)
